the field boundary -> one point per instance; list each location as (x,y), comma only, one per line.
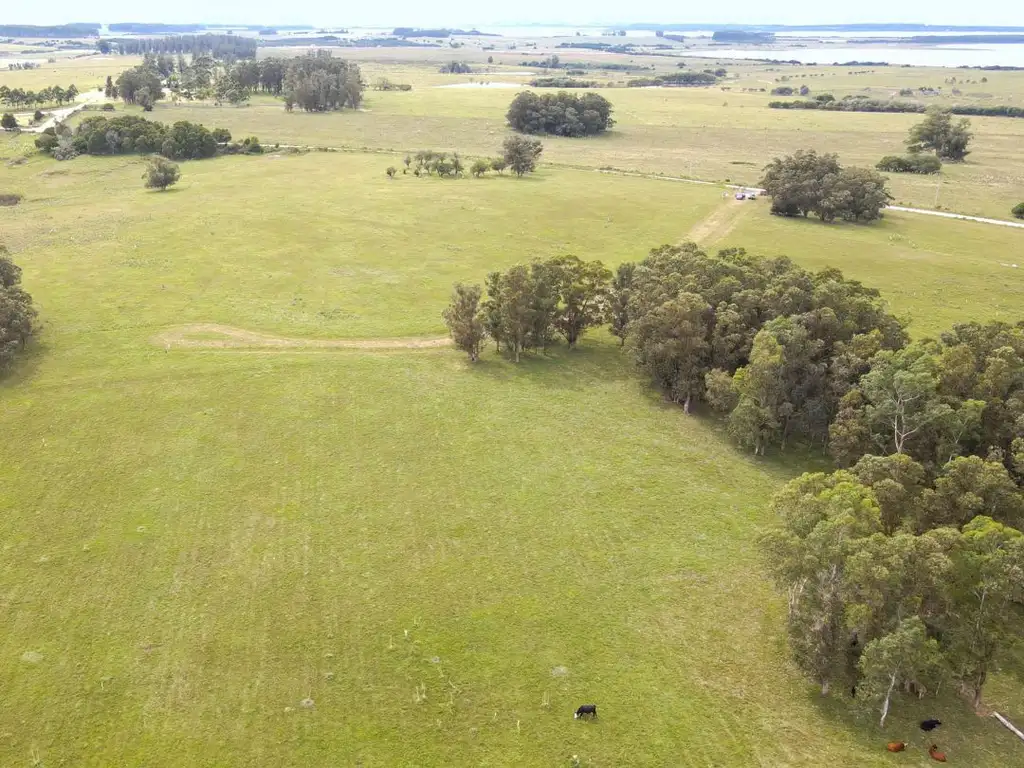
(240,338)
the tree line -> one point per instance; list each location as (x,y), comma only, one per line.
(519,155)
(54,94)
(527,305)
(677,79)
(862,104)
(560,114)
(228,47)
(17,315)
(130,134)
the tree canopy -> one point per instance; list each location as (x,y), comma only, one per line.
(560,114)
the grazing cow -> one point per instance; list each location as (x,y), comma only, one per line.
(930,725)
(585,710)
(933,752)
(896,746)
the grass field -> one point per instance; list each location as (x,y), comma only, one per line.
(445,559)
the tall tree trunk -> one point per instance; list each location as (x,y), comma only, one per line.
(888,698)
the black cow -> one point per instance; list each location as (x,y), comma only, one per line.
(585,710)
(930,725)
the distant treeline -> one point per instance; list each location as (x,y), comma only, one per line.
(608,47)
(439,32)
(877,105)
(339,42)
(742,36)
(562,82)
(218,46)
(142,28)
(57,30)
(1011,39)
(678,79)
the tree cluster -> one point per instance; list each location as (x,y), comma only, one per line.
(54,94)
(935,400)
(763,340)
(130,134)
(227,47)
(560,114)
(899,581)
(318,82)
(806,183)
(528,305)
(455,68)
(17,315)
(1018,211)
(913,163)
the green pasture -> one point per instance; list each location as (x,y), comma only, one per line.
(344,557)
(704,133)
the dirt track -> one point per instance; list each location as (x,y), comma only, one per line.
(720,223)
(184,337)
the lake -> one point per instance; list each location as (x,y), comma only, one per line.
(959,55)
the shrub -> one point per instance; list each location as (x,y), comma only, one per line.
(66,149)
(108,107)
(1018,211)
(9,122)
(919,163)
(9,198)
(391,171)
(221,135)
(479,168)
(782,90)
(161,173)
(38,116)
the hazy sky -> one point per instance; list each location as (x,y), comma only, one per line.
(468,12)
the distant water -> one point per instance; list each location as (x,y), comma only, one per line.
(959,55)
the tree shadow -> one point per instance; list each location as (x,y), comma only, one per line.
(24,367)
(559,367)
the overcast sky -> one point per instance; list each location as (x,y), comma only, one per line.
(466,13)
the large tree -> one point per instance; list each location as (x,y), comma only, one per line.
(464,320)
(582,288)
(132,82)
(939,133)
(17,315)
(521,154)
(671,345)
